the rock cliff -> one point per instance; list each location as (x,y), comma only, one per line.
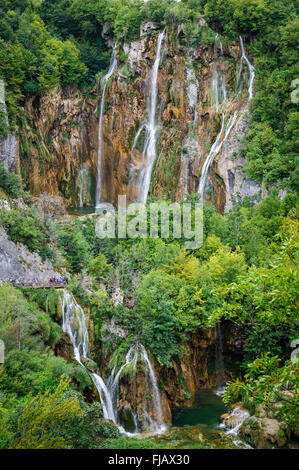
(59,138)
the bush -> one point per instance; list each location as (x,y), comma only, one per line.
(10,182)
(23,227)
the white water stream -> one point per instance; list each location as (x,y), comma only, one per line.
(112,68)
(220,100)
(140,177)
(74,324)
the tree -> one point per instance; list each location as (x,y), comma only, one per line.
(35,427)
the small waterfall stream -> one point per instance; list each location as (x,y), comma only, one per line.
(191,146)
(140,175)
(250,68)
(136,353)
(222,136)
(74,324)
(85,189)
(219,101)
(112,68)
(219,361)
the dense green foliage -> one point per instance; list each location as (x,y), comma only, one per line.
(270,386)
(169,293)
(236,275)
(271,28)
(37,408)
(10,182)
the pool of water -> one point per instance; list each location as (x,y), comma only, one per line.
(86,210)
(207,410)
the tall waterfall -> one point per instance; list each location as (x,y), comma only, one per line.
(140,175)
(219,100)
(137,353)
(219,360)
(112,68)
(84,186)
(215,149)
(191,146)
(250,68)
(74,324)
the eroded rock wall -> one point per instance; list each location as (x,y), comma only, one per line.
(59,144)
(58,140)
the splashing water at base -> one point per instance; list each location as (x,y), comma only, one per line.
(232,425)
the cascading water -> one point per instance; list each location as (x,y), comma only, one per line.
(137,353)
(112,68)
(219,100)
(84,186)
(74,324)
(218,44)
(250,68)
(140,176)
(215,149)
(191,146)
(233,423)
(219,361)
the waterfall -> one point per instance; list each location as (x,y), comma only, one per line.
(191,146)
(141,177)
(218,45)
(219,91)
(158,426)
(137,352)
(112,68)
(219,97)
(215,149)
(232,424)
(74,324)
(215,88)
(84,185)
(219,360)
(250,68)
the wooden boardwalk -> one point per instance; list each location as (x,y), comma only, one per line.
(41,286)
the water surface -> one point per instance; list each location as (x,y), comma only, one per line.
(207,410)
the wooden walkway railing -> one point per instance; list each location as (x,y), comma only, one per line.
(41,286)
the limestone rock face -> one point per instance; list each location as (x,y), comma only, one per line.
(18,264)
(193,372)
(59,149)
(9,146)
(64,347)
(9,150)
(230,166)
(264,432)
(147,27)
(66,127)
(178,385)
